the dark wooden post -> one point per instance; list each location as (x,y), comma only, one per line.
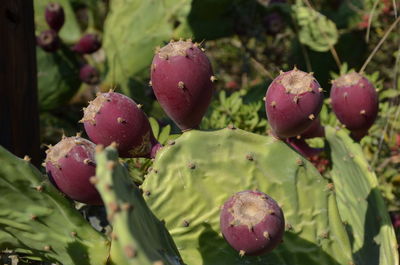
(19,119)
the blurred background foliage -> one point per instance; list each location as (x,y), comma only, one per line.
(247,41)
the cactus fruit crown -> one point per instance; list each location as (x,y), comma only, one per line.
(55,153)
(248,209)
(349,79)
(54,7)
(297,82)
(94,107)
(47,37)
(174,49)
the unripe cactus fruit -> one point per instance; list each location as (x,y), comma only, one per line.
(88,44)
(182,80)
(48,40)
(70,164)
(89,75)
(55,16)
(252,222)
(113,117)
(355,102)
(292,102)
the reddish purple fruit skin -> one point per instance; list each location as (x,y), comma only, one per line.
(55,16)
(355,105)
(88,44)
(48,40)
(89,75)
(287,116)
(185,105)
(253,241)
(315,130)
(71,175)
(303,148)
(132,131)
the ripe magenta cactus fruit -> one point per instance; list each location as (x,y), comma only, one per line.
(355,102)
(292,102)
(55,16)
(70,164)
(252,222)
(88,44)
(315,130)
(48,40)
(182,80)
(89,75)
(113,117)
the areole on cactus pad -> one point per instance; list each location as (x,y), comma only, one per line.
(182,80)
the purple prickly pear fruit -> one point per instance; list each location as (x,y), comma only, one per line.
(89,75)
(113,117)
(303,148)
(48,40)
(273,23)
(55,16)
(88,44)
(182,80)
(70,164)
(292,102)
(252,222)
(355,102)
(315,130)
(357,135)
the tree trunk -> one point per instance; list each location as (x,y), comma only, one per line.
(19,118)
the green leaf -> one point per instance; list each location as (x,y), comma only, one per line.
(163,137)
(315,30)
(154,126)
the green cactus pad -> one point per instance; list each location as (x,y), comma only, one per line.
(360,203)
(138,236)
(193,176)
(58,77)
(36,219)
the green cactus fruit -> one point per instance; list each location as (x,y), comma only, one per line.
(138,236)
(360,203)
(58,77)
(195,174)
(36,219)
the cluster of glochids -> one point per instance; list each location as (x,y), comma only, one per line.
(182,80)
(294,99)
(50,41)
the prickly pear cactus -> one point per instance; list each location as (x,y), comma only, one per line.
(360,203)
(138,236)
(194,175)
(36,219)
